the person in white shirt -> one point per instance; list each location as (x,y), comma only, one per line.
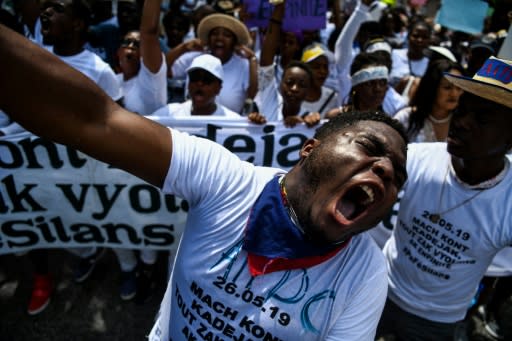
(283,100)
(264,253)
(454,215)
(143,74)
(227,38)
(320,98)
(410,64)
(143,79)
(354,39)
(64,26)
(204,79)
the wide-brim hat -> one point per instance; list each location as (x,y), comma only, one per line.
(493,81)
(226,21)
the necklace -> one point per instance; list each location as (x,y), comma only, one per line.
(440,120)
(287,205)
(435,217)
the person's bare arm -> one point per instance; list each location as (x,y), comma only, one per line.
(149,29)
(271,42)
(57,102)
(173,54)
(248,53)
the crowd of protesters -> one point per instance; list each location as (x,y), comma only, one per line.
(183,58)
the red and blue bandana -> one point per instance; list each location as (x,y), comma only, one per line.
(274,242)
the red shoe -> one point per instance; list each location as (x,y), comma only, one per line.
(41,293)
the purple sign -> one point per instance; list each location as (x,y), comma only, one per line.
(299,14)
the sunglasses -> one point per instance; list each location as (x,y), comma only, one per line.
(201,76)
(130,41)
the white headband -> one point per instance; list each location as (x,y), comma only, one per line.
(379,46)
(369,74)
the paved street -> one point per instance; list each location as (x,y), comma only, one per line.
(88,311)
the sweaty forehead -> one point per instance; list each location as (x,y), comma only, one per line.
(387,134)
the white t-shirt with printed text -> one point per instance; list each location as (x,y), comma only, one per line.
(211,294)
(435,268)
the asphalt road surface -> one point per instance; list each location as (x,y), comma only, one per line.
(91,310)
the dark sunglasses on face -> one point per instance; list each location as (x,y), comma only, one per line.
(201,76)
(129,41)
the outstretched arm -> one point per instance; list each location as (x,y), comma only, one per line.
(271,42)
(149,45)
(57,102)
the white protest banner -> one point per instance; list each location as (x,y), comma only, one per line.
(52,196)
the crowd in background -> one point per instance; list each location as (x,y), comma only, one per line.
(183,58)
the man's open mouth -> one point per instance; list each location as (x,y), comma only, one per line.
(356,201)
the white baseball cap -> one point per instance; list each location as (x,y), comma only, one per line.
(209,63)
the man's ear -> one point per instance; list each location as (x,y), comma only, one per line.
(307,147)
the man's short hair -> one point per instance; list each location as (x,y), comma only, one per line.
(351,118)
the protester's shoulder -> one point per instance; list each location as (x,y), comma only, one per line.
(426,153)
(99,63)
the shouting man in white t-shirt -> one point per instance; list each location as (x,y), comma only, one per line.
(264,254)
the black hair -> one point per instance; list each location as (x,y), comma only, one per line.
(424,98)
(367,31)
(82,10)
(181,21)
(301,65)
(352,118)
(365,59)
(419,21)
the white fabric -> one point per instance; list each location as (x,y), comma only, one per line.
(37,37)
(393,102)
(369,74)
(376,9)
(147,91)
(211,289)
(4,119)
(12,128)
(426,134)
(185,110)
(209,63)
(234,84)
(91,65)
(401,68)
(345,51)
(330,103)
(501,264)
(269,99)
(128,259)
(434,269)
